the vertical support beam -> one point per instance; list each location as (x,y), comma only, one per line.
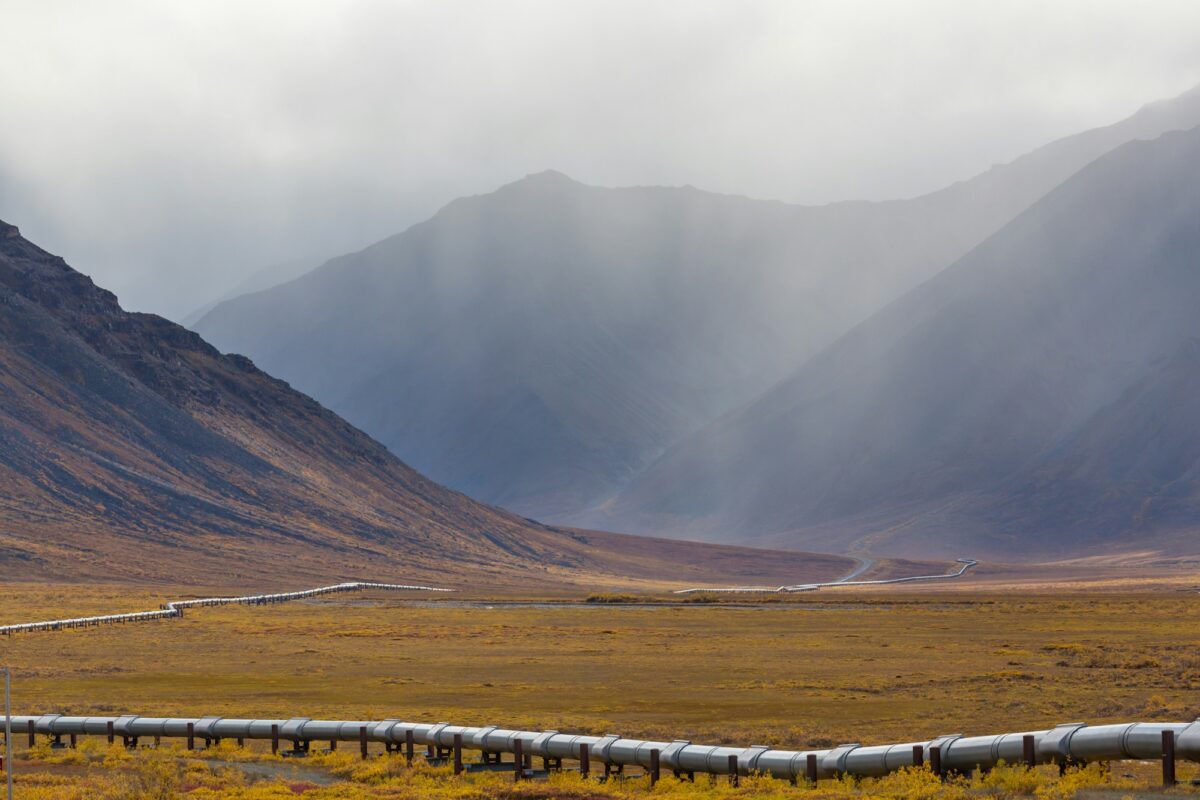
(274,740)
(1029,750)
(654,771)
(408,746)
(32,734)
(108,726)
(72,741)
(1168,757)
(518,759)
(585,761)
(935,760)
(333,745)
(191,736)
(918,756)
(241,742)
(734,778)
(458,768)
(810,769)
(362,740)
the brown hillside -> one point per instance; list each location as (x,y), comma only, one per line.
(131,449)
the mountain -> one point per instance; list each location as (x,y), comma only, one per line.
(256,281)
(1038,398)
(132,449)
(539,346)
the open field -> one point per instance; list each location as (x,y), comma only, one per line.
(813,670)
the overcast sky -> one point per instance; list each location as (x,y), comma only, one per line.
(167,148)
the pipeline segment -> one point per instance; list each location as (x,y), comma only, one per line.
(175,609)
(1072,743)
(966,563)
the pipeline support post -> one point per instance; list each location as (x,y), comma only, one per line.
(935,760)
(108,726)
(408,746)
(918,756)
(1168,758)
(32,733)
(1029,750)
(654,771)
(734,780)
(518,760)
(585,766)
(362,740)
(274,739)
(810,769)
(191,736)
(458,765)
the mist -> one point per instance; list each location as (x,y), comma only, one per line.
(172,150)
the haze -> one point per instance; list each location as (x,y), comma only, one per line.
(170,149)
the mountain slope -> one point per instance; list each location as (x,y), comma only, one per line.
(1035,398)
(131,449)
(539,346)
(256,281)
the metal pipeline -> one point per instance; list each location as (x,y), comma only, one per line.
(966,563)
(1064,744)
(175,609)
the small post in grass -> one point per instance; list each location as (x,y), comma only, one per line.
(1168,758)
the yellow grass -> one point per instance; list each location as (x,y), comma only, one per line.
(814,671)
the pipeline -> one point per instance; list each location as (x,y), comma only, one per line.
(1074,743)
(175,609)
(967,563)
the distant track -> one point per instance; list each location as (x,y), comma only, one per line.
(175,609)
(866,564)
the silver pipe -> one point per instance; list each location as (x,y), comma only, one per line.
(967,563)
(175,608)
(1073,742)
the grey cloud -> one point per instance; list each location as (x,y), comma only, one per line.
(171,149)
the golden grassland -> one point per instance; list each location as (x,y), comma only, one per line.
(812,670)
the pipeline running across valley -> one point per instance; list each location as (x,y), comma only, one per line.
(966,563)
(1073,743)
(175,609)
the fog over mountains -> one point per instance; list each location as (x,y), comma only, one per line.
(542,346)
(1035,398)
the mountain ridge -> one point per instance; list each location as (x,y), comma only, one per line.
(131,449)
(541,345)
(938,417)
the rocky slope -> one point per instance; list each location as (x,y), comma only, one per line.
(132,449)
